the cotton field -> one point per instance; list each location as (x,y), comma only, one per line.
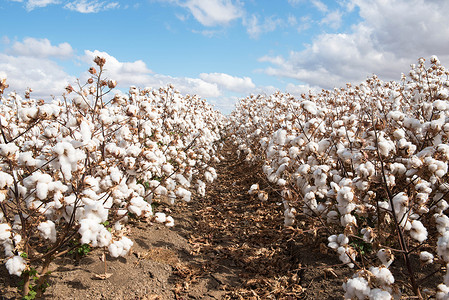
(368,163)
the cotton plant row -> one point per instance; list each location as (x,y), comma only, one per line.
(78,168)
(368,162)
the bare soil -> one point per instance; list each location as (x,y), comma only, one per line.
(227,245)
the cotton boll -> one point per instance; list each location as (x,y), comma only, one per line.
(263,196)
(335,241)
(6,180)
(368,234)
(253,189)
(346,255)
(15,265)
(160,190)
(120,247)
(442,292)
(48,230)
(332,217)
(443,246)
(183,194)
(383,276)
(357,287)
(386,257)
(348,219)
(379,294)
(289,216)
(281,182)
(5,232)
(170,222)
(442,223)
(418,231)
(426,257)
(309,106)
(160,217)
(8,150)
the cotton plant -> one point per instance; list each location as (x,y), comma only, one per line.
(78,168)
(369,161)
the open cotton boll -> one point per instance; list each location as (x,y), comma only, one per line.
(160,217)
(263,196)
(289,216)
(5,232)
(442,223)
(426,257)
(336,241)
(442,292)
(183,194)
(8,149)
(201,188)
(346,255)
(170,222)
(15,265)
(418,231)
(379,294)
(253,189)
(386,257)
(48,230)
(383,276)
(356,287)
(309,106)
(120,247)
(6,180)
(443,246)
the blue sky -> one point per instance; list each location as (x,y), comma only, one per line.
(221,50)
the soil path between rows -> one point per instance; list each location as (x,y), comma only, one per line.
(227,245)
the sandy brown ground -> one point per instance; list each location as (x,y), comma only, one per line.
(227,245)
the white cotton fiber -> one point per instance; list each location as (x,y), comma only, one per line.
(5,180)
(5,232)
(120,247)
(418,231)
(160,217)
(15,265)
(48,230)
(170,222)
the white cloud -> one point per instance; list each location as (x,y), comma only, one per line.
(137,73)
(44,76)
(297,90)
(126,73)
(32,4)
(228,82)
(186,85)
(332,19)
(320,5)
(90,6)
(254,28)
(214,12)
(391,36)
(40,48)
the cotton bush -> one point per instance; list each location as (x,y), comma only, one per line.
(368,161)
(76,169)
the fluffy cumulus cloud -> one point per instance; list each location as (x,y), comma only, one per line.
(214,12)
(255,27)
(126,73)
(41,48)
(391,36)
(30,64)
(137,73)
(228,82)
(90,6)
(44,76)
